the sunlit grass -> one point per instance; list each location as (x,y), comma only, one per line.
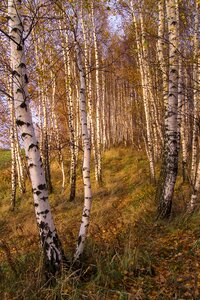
(126,248)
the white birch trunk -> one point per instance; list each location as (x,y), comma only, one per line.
(56,130)
(12,146)
(181,117)
(104,142)
(183,125)
(171,168)
(16,168)
(86,159)
(77,119)
(160,50)
(195,175)
(143,74)
(87,63)
(70,107)
(196,97)
(149,86)
(20,172)
(48,234)
(46,154)
(98,140)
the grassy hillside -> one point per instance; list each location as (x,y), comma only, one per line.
(128,254)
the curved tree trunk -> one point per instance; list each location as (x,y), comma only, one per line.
(50,242)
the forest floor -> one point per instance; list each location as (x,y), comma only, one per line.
(128,255)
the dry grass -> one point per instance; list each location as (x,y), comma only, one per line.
(128,255)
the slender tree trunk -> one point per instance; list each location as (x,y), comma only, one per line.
(98,140)
(160,51)
(77,116)
(57,134)
(20,172)
(91,116)
(17,167)
(149,87)
(195,130)
(161,44)
(103,112)
(195,175)
(87,64)
(180,120)
(46,154)
(41,139)
(171,167)
(12,146)
(70,106)
(50,242)
(86,159)
(193,200)
(143,74)
(183,129)
(43,111)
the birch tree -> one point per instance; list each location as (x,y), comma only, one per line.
(171,163)
(12,146)
(183,112)
(87,64)
(86,157)
(56,131)
(43,112)
(70,107)
(49,238)
(196,96)
(195,168)
(143,74)
(98,140)
(160,50)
